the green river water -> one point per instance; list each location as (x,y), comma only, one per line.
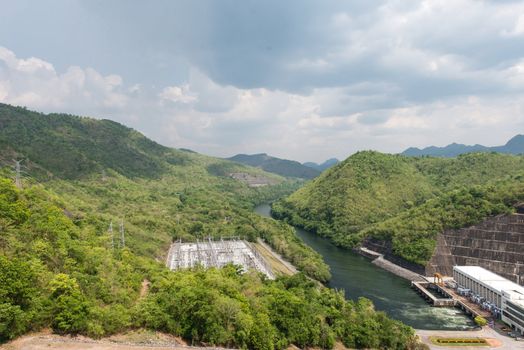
(357,276)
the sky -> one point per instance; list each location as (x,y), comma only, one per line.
(298,79)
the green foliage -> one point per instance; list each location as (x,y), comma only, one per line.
(366,188)
(18,297)
(481,321)
(413,232)
(224,307)
(283,239)
(12,209)
(13,321)
(69,307)
(54,272)
(73,147)
(404,201)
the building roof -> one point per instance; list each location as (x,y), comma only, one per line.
(490,279)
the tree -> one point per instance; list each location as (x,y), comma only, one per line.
(69,307)
(13,321)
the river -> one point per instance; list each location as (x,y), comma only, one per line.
(357,276)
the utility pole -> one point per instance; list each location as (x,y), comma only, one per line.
(122,235)
(18,180)
(112,235)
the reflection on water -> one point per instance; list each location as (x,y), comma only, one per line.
(357,276)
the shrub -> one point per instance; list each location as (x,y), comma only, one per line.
(481,321)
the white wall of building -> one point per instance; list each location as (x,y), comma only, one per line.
(498,290)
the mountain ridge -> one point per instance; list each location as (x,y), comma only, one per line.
(283,167)
(324,165)
(514,146)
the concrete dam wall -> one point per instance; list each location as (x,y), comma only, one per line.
(496,244)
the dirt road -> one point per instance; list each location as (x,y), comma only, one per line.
(135,341)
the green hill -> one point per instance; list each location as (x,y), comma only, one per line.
(380,195)
(58,268)
(72,147)
(163,193)
(413,232)
(283,167)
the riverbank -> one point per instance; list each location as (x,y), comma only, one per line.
(378,259)
(358,276)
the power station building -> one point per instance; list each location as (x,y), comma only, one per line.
(493,289)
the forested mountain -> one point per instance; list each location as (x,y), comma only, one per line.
(323,166)
(61,268)
(283,167)
(405,201)
(513,146)
(73,147)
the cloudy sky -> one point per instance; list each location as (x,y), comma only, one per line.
(304,80)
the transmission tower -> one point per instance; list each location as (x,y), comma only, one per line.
(18,179)
(122,235)
(112,235)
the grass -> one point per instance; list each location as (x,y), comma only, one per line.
(447,341)
(276,265)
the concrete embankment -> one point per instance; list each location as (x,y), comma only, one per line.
(379,260)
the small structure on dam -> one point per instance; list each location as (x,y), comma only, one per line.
(210,253)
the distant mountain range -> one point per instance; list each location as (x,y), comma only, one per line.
(513,146)
(284,167)
(323,166)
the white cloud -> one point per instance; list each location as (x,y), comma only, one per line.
(177,94)
(518,29)
(29,65)
(34,82)
(322,122)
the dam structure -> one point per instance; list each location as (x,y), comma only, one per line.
(496,244)
(217,253)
